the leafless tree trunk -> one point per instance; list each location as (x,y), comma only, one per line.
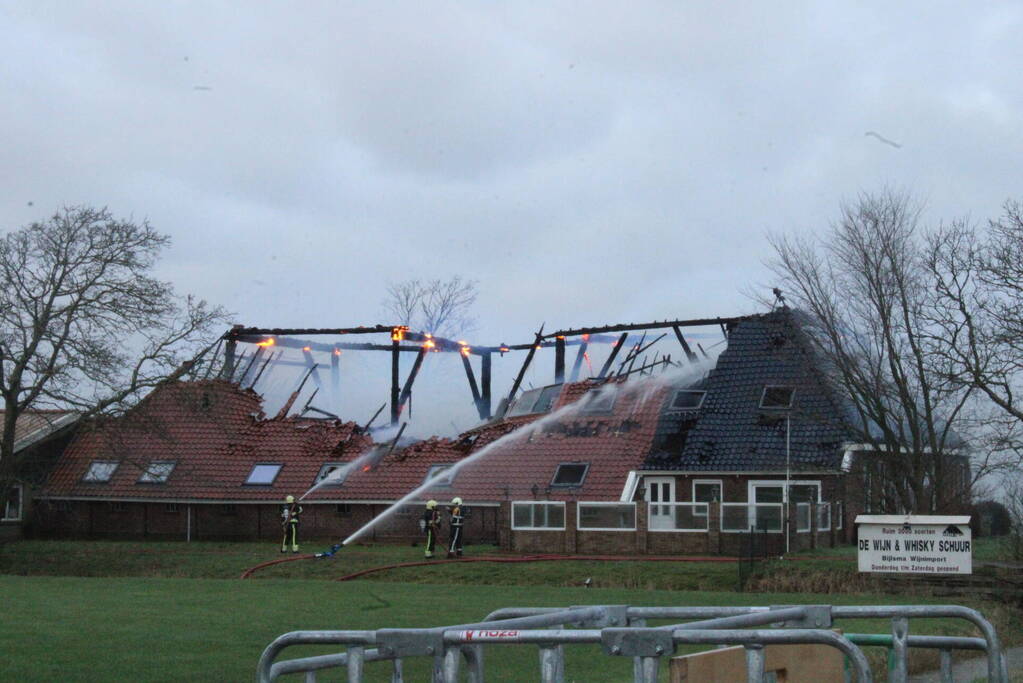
(441,307)
(83,324)
(864,285)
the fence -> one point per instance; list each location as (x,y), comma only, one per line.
(622,631)
(753,555)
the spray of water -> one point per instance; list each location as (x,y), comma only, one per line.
(643,389)
(340,473)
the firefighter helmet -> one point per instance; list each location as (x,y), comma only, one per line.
(456,501)
(289,499)
(431,504)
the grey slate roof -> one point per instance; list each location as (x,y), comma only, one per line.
(731,433)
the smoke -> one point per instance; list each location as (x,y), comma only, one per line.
(644,389)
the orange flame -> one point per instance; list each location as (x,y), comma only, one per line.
(504,349)
(429,344)
(307,348)
(337,352)
(398,333)
(465,350)
(586,337)
(266,342)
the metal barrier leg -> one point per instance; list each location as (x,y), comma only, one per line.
(637,662)
(474,662)
(900,649)
(452,658)
(398,672)
(356,657)
(552,664)
(310,677)
(946,667)
(438,668)
(648,669)
(755,663)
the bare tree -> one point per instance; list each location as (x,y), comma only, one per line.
(441,307)
(83,323)
(978,280)
(864,285)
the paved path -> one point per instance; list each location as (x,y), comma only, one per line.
(972,669)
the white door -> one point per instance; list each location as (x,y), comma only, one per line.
(661,490)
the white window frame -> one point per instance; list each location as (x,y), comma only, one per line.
(278,465)
(721,485)
(817,511)
(21,505)
(438,479)
(752,484)
(751,516)
(673,408)
(537,502)
(836,516)
(579,517)
(704,515)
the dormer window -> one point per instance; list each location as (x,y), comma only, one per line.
(100,471)
(688,399)
(263,474)
(776,397)
(570,474)
(156,472)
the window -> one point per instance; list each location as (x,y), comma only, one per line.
(12,511)
(606,516)
(570,474)
(600,400)
(118,506)
(706,491)
(263,474)
(171,508)
(343,509)
(438,472)
(336,472)
(805,493)
(687,399)
(838,515)
(532,515)
(535,401)
(100,471)
(775,397)
(229,510)
(156,472)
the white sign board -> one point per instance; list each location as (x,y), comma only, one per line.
(914,544)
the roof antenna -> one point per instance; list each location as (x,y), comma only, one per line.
(779,299)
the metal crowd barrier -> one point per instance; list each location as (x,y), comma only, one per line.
(622,630)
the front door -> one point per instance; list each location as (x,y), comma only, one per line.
(660,490)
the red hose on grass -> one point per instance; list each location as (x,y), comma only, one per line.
(251,570)
(509,560)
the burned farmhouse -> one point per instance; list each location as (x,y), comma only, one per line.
(643,454)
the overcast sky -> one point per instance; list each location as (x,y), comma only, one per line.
(586,162)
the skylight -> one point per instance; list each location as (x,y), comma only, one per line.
(440,475)
(100,471)
(263,474)
(570,474)
(776,397)
(535,401)
(600,400)
(336,472)
(156,472)
(688,399)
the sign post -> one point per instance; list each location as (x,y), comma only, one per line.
(914,544)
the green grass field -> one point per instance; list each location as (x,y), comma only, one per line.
(173,611)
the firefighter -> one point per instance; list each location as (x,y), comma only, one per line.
(457,513)
(430,524)
(289,520)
